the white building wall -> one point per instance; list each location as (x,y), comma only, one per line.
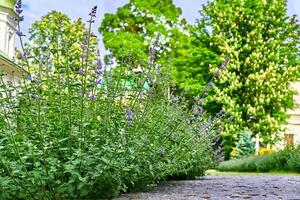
(293,126)
(7,32)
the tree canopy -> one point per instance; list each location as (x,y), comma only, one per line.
(263,45)
(55,41)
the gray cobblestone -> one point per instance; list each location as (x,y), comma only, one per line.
(253,187)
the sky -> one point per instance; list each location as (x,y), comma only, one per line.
(34,10)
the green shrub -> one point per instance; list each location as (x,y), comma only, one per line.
(293,162)
(242,165)
(245,146)
(266,163)
(96,131)
(285,160)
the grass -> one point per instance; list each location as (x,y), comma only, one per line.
(213,172)
(287,160)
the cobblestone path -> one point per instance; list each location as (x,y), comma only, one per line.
(257,187)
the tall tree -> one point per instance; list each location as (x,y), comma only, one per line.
(58,42)
(133,28)
(263,45)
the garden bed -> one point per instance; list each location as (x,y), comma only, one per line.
(285,160)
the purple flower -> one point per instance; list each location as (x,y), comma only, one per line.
(82,46)
(211,84)
(200,110)
(201,101)
(19,7)
(27,53)
(98,71)
(82,56)
(93,97)
(223,66)
(85,40)
(24,55)
(19,33)
(29,77)
(161,151)
(99,63)
(151,91)
(218,75)
(158,70)
(93,12)
(129,114)
(91,21)
(98,81)
(81,72)
(152,55)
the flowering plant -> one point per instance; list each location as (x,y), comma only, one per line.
(81,128)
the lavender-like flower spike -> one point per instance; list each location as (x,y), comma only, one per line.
(19,33)
(223,66)
(93,97)
(158,70)
(218,75)
(85,40)
(98,81)
(21,18)
(152,54)
(211,84)
(201,101)
(98,71)
(29,77)
(82,56)
(19,7)
(93,12)
(99,63)
(81,72)
(129,114)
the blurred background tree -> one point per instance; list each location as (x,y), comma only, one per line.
(57,40)
(263,45)
(136,25)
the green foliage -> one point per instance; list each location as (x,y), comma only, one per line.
(293,162)
(132,28)
(285,160)
(58,40)
(71,131)
(245,146)
(262,43)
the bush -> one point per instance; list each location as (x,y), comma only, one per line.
(96,131)
(285,160)
(244,146)
(242,165)
(266,163)
(293,162)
